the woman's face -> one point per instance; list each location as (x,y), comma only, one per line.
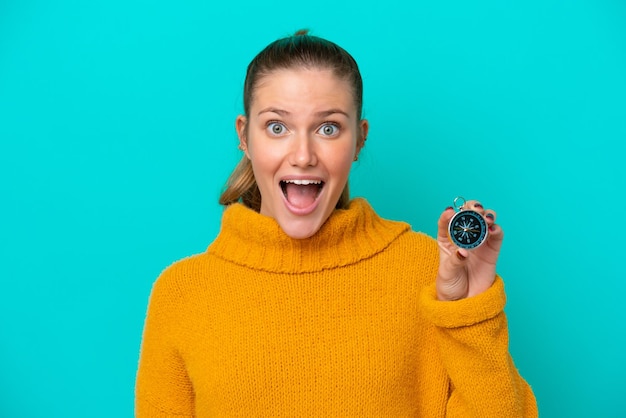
(301,136)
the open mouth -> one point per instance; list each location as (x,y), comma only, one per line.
(301,193)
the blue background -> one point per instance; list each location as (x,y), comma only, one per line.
(117,134)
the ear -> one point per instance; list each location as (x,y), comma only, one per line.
(240,126)
(364,130)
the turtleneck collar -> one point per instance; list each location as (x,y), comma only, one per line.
(349,235)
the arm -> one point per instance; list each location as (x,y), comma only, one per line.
(472,337)
(466,305)
(163,388)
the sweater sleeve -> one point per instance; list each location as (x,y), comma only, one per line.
(472,336)
(163,388)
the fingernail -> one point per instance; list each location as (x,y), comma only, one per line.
(491,228)
(449,207)
(490,216)
(478,205)
(460,256)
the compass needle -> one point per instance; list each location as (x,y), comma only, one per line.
(467,228)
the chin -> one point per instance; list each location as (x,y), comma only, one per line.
(300,230)
(302,226)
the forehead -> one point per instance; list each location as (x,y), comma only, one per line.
(302,89)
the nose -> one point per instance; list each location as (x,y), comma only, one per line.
(303,153)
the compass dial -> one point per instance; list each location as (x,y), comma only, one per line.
(467,229)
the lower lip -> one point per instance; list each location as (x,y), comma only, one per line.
(302,211)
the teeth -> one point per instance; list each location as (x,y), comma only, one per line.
(303,182)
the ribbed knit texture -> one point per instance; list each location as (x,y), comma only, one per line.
(345,323)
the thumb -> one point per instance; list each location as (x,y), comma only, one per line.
(442,223)
(452,283)
(454,264)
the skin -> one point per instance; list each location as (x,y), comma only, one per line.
(302,124)
(317,137)
(465,273)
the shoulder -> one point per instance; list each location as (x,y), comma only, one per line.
(402,236)
(412,254)
(419,240)
(177,280)
(416,249)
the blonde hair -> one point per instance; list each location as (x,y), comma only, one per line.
(299,50)
(241,187)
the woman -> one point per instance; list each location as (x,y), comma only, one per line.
(308,303)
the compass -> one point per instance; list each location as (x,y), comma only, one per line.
(467,228)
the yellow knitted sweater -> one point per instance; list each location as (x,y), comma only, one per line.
(345,323)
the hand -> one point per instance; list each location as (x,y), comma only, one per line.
(464,273)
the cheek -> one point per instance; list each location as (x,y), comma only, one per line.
(340,161)
(265,162)
(262,165)
(348,151)
(264,157)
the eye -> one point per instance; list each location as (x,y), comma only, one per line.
(329,129)
(276,128)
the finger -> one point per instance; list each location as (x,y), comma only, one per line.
(443,222)
(461,257)
(490,217)
(450,268)
(474,205)
(495,237)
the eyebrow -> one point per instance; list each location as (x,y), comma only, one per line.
(274,110)
(323,113)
